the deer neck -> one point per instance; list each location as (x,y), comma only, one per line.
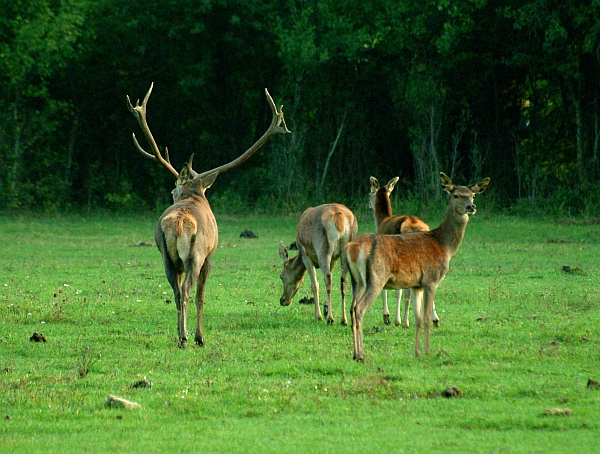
(298,267)
(452,230)
(383,207)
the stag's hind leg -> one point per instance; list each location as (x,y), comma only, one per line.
(202,278)
(174,276)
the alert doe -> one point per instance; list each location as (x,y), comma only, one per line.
(418,261)
(187,233)
(321,235)
(389,224)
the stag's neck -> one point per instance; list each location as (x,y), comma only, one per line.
(383,207)
(452,230)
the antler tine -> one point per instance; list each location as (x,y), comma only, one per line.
(277,115)
(274,128)
(139,112)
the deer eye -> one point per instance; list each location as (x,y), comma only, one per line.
(456,196)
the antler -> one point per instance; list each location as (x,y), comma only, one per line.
(139,112)
(274,128)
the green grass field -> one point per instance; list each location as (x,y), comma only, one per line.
(519,335)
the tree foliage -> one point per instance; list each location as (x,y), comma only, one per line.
(507,89)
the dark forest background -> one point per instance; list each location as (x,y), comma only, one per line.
(473,88)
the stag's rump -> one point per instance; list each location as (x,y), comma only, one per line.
(185,230)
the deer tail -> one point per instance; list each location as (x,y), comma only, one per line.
(180,229)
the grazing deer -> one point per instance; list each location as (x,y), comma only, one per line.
(389,224)
(321,235)
(418,261)
(187,233)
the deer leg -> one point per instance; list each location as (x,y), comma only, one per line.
(436,319)
(327,309)
(314,284)
(405,323)
(174,277)
(397,320)
(386,311)
(417,308)
(191,277)
(428,303)
(182,320)
(356,334)
(202,278)
(344,320)
(359,307)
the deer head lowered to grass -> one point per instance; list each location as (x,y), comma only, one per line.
(389,224)
(418,261)
(186,233)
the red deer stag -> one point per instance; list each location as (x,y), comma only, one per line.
(186,233)
(389,224)
(418,261)
(321,235)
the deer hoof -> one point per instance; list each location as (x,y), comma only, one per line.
(386,319)
(436,323)
(199,341)
(344,322)
(330,321)
(182,343)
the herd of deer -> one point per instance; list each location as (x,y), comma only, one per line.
(403,254)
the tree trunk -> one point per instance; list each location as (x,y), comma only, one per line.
(579,135)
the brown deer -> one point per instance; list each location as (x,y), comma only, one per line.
(418,261)
(389,224)
(187,233)
(321,235)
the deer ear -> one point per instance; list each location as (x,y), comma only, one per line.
(389,187)
(480,187)
(374,184)
(283,252)
(209,179)
(446,183)
(184,175)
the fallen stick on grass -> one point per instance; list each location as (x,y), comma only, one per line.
(114,401)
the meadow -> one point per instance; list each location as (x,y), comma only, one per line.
(519,337)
